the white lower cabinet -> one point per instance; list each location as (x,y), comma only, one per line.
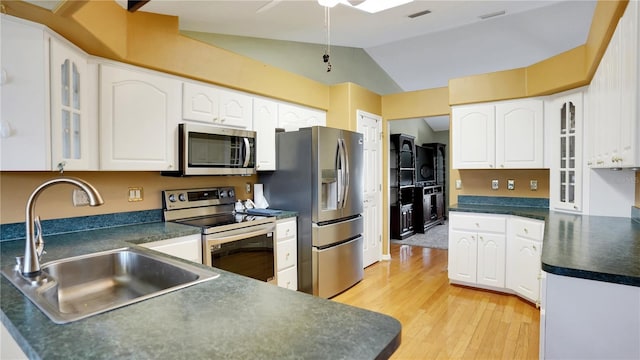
(477,249)
(589,319)
(9,348)
(524,257)
(185,247)
(286,253)
(497,252)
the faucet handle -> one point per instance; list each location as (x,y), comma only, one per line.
(39,239)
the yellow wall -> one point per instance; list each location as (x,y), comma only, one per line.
(56,203)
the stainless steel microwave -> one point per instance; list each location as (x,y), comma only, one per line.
(210,150)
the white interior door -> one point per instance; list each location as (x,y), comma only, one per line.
(370,126)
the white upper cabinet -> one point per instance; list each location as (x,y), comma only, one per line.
(503,135)
(566,128)
(71,121)
(265,120)
(292,117)
(520,134)
(139,113)
(24,123)
(44,122)
(216,106)
(473,137)
(613,99)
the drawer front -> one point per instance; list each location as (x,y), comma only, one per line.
(531,229)
(286,254)
(479,222)
(286,230)
(288,278)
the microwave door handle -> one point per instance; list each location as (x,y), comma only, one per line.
(345,177)
(247,152)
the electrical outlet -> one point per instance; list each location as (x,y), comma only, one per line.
(80,198)
(494,184)
(247,188)
(458,184)
(511,184)
(135,194)
(533,184)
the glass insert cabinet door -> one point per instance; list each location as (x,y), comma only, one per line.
(567,172)
(69,125)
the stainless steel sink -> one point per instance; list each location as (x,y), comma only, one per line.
(75,288)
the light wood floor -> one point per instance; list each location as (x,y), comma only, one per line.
(443,321)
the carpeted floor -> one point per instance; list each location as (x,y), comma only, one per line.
(437,238)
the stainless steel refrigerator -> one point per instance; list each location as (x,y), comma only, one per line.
(319,174)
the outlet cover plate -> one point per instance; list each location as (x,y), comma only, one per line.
(494,184)
(511,184)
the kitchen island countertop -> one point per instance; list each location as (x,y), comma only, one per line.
(598,248)
(231,317)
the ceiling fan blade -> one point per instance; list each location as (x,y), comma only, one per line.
(133,5)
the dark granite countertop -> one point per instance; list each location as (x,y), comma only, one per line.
(231,317)
(590,247)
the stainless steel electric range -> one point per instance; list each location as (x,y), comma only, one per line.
(232,241)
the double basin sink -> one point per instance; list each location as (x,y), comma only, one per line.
(74,288)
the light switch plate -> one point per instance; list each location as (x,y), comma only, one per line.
(494,184)
(458,184)
(511,184)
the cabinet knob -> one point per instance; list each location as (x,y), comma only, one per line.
(534,248)
(481,238)
(477,224)
(526,231)
(490,165)
(501,165)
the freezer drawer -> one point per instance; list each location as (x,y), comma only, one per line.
(337,268)
(323,235)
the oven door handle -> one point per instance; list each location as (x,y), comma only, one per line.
(239,236)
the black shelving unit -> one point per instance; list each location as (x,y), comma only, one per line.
(429,195)
(402,167)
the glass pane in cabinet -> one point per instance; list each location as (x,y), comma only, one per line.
(563,152)
(77,149)
(563,177)
(572,152)
(76,87)
(64,80)
(563,119)
(563,195)
(572,194)
(572,177)
(572,117)
(66,134)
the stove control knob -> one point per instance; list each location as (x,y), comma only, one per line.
(172,198)
(223,194)
(231,193)
(182,197)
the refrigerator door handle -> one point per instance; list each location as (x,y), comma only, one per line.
(345,170)
(341,174)
(247,152)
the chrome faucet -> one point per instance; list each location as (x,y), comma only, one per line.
(34,245)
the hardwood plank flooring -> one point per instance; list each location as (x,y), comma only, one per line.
(443,321)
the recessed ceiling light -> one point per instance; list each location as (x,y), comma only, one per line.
(420,13)
(493,14)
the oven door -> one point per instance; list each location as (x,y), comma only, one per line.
(246,251)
